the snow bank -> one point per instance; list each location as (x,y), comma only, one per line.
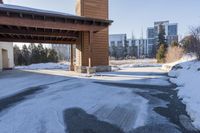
(187,57)
(124,64)
(140,65)
(187,76)
(44,66)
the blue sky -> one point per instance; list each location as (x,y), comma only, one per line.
(133,15)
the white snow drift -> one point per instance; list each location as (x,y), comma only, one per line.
(45,66)
(187,76)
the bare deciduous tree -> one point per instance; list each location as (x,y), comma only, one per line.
(195,42)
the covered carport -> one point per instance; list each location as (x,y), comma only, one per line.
(22,24)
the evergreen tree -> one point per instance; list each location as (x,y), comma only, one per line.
(132,51)
(125,49)
(42,54)
(35,55)
(161,37)
(160,56)
(46,51)
(120,52)
(25,55)
(18,60)
(114,51)
(52,56)
(31,47)
(161,45)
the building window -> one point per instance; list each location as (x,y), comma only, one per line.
(172,30)
(119,42)
(112,43)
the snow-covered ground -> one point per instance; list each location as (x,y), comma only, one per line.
(43,110)
(125,64)
(64,65)
(132,62)
(34,101)
(186,74)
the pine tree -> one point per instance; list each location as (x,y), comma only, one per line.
(46,51)
(114,51)
(25,55)
(35,54)
(133,51)
(160,56)
(161,37)
(52,56)
(161,45)
(125,49)
(17,56)
(42,54)
(120,52)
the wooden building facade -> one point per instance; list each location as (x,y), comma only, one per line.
(88,30)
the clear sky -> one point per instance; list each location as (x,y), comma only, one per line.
(133,15)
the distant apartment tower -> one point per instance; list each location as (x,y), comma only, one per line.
(171,31)
(117,39)
(141,46)
(116,44)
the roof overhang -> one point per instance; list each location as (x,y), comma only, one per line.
(27,24)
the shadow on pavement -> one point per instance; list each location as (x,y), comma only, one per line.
(78,121)
(12,100)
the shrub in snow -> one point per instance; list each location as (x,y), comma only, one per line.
(160,56)
(174,53)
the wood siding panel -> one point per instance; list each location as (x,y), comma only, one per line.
(94,9)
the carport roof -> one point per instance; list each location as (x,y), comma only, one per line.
(24,24)
(34,11)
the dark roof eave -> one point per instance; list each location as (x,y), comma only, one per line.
(55,14)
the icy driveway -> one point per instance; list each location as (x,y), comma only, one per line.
(131,100)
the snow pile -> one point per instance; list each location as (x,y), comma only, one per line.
(187,76)
(124,64)
(187,57)
(44,66)
(115,68)
(140,65)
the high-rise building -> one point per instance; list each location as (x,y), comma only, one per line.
(120,40)
(171,34)
(117,39)
(141,45)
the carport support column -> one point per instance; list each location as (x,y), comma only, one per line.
(90,68)
(91,34)
(72,58)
